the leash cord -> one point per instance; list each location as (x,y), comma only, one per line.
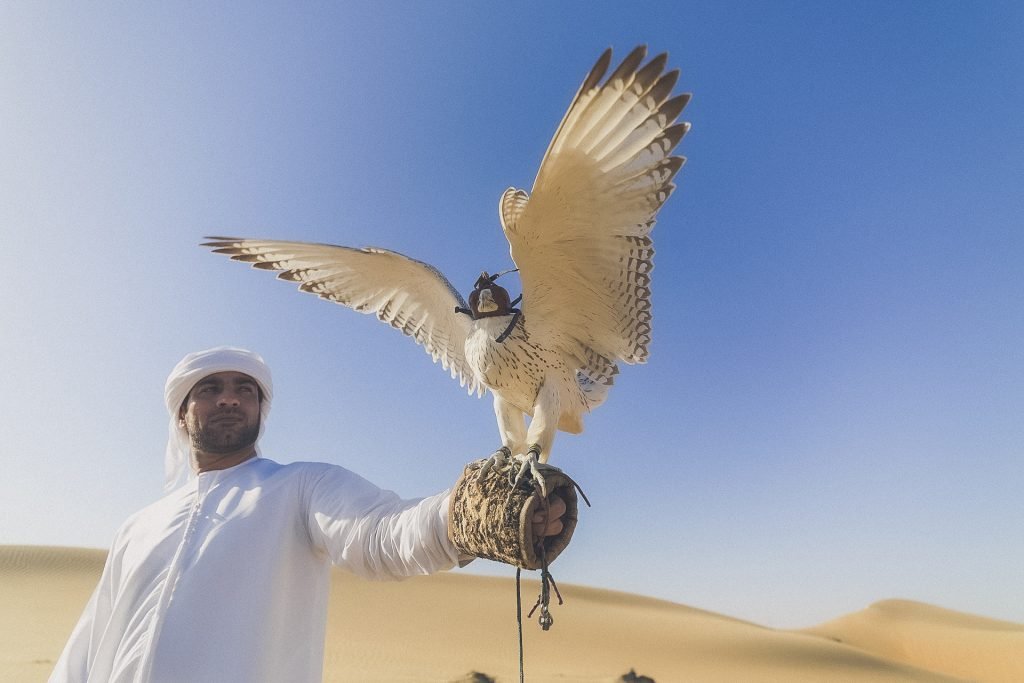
(508,330)
(519,620)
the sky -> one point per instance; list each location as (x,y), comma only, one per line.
(832,411)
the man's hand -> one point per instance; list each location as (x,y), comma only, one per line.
(549,522)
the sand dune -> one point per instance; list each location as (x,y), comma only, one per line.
(933,638)
(444,627)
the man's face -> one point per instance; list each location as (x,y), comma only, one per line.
(222,413)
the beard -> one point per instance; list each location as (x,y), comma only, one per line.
(217,437)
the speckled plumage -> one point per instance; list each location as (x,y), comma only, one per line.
(581,242)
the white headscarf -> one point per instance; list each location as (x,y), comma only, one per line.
(192,368)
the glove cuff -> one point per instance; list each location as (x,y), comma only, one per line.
(489,518)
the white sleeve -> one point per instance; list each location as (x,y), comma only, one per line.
(373,532)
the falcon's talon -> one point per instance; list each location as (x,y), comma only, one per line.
(498,459)
(530,470)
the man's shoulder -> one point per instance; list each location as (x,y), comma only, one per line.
(327,476)
(261,468)
(308,471)
(313,469)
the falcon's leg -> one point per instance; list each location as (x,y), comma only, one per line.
(541,435)
(512,428)
(511,425)
(547,408)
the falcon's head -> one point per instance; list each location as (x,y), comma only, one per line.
(489,300)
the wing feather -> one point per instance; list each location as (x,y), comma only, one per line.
(604,99)
(581,239)
(411,296)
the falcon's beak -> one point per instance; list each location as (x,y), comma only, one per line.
(486,303)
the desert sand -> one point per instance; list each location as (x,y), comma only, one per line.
(445,627)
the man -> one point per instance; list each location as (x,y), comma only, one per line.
(226,577)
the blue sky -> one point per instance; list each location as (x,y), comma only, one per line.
(832,410)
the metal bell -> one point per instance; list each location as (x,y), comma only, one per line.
(545,618)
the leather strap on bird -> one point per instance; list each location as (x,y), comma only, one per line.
(489,517)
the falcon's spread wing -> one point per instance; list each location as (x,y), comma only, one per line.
(581,240)
(409,295)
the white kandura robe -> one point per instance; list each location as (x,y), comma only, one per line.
(226,578)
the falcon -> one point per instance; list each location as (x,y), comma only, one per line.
(581,243)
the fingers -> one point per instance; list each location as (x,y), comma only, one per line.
(552,529)
(556,505)
(556,508)
(549,522)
